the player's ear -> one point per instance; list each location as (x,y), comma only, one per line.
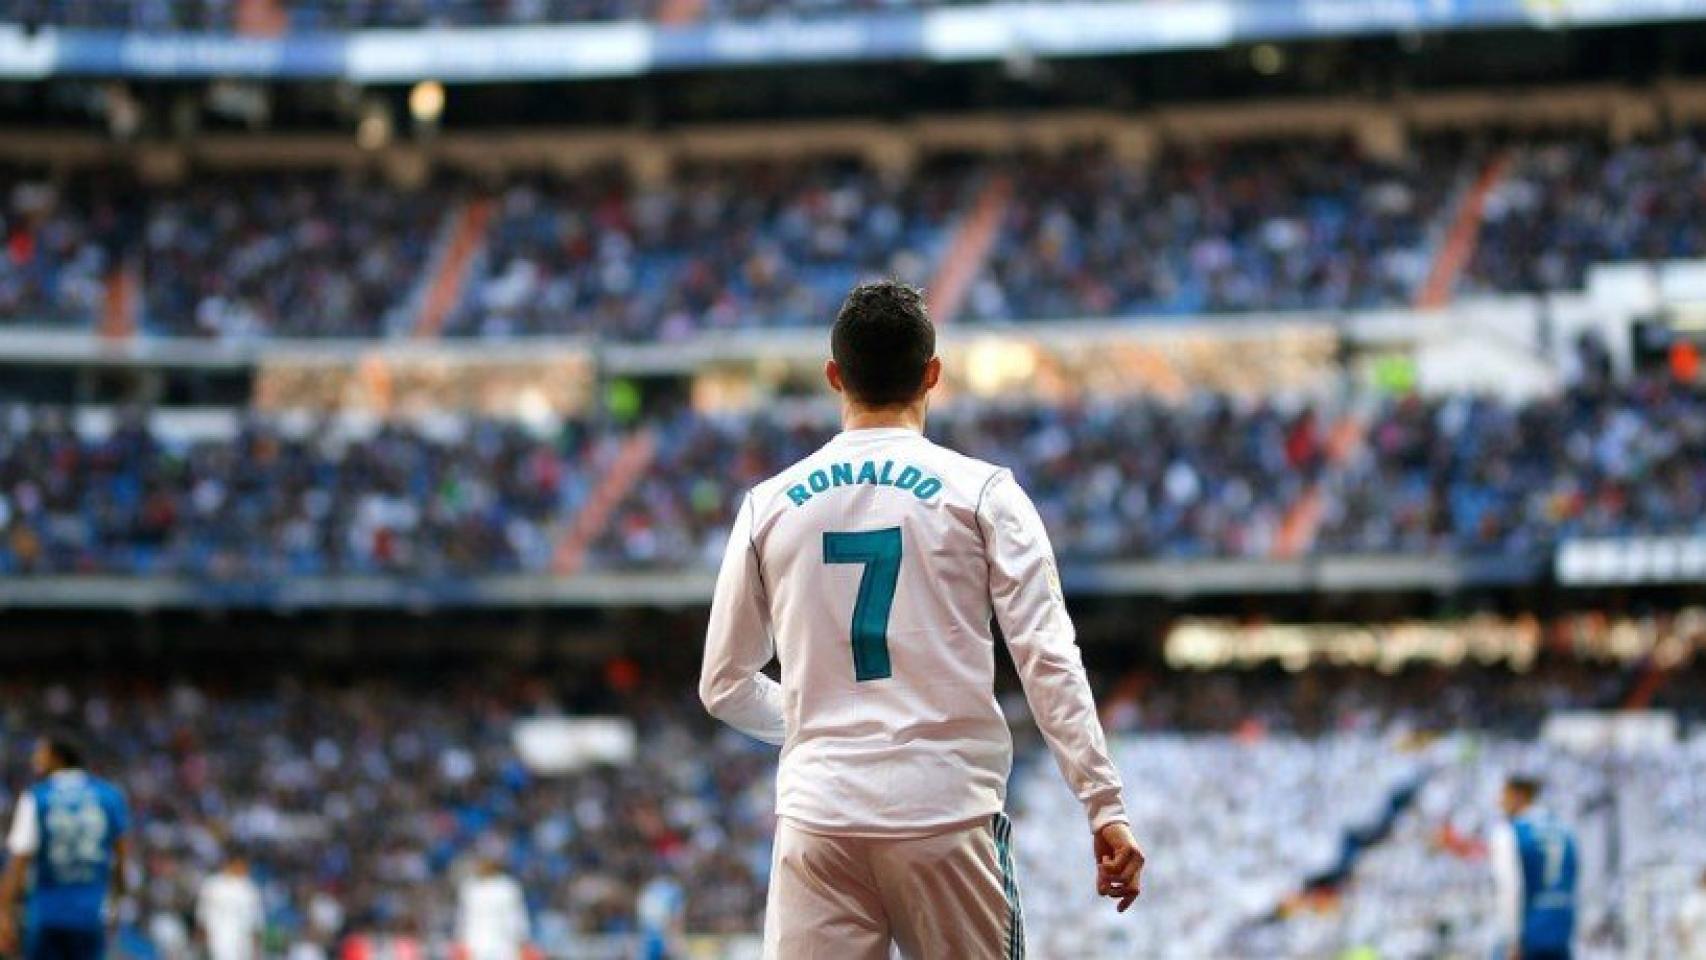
(932,373)
(832,373)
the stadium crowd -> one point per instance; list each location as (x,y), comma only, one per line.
(271,501)
(359,804)
(1480,476)
(716,247)
(1140,478)
(1218,477)
(1286,778)
(1256,226)
(309,16)
(284,256)
(59,247)
(1568,204)
(1196,229)
(360,801)
(1212,477)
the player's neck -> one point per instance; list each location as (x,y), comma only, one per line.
(908,417)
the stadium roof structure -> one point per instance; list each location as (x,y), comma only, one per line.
(958,34)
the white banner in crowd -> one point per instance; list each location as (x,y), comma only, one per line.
(553,746)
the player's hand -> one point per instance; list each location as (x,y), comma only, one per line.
(8,934)
(1119,864)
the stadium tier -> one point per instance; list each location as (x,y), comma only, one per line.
(283,256)
(1257,226)
(1211,477)
(743,245)
(361,803)
(262,502)
(1195,230)
(1565,206)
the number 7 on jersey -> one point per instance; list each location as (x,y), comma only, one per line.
(879,551)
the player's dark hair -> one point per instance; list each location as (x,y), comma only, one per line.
(882,341)
(1527,786)
(66,747)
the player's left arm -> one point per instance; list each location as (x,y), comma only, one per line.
(118,883)
(21,845)
(1024,589)
(738,644)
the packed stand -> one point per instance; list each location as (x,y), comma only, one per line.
(309,16)
(286,256)
(271,500)
(326,15)
(1479,475)
(313,16)
(1287,225)
(680,512)
(1243,811)
(361,795)
(360,804)
(140,15)
(714,248)
(1212,477)
(1215,477)
(1209,477)
(61,242)
(1261,226)
(1232,827)
(1567,205)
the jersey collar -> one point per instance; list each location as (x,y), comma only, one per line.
(878,433)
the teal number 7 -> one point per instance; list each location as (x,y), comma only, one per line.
(879,551)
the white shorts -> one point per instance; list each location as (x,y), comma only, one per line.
(951,896)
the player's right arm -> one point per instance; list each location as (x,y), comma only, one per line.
(1024,588)
(21,845)
(738,644)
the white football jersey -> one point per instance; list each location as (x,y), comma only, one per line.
(229,910)
(491,919)
(871,570)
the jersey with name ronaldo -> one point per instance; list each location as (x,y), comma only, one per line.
(871,569)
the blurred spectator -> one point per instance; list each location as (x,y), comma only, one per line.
(229,913)
(491,914)
(1691,921)
(60,244)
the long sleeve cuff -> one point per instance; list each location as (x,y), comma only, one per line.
(1105,811)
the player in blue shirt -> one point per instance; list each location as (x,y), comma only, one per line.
(68,841)
(661,908)
(1534,872)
